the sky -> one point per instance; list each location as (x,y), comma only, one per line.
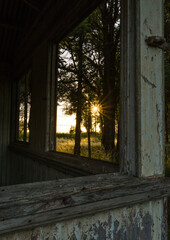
(64,122)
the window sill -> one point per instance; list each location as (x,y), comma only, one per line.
(37,204)
(67,163)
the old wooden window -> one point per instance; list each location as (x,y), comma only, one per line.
(81,197)
(23,108)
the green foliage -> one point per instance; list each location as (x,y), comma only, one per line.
(65,143)
(94,33)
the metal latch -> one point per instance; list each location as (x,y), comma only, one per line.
(160,42)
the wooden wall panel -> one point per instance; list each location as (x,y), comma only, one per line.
(5,104)
(39,99)
(27,170)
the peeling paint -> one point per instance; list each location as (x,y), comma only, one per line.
(146,224)
(147,25)
(158,125)
(164,221)
(150,89)
(148,82)
(140,222)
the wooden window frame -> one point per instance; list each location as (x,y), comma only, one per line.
(50,145)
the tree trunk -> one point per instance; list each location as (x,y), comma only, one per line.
(109,99)
(79,99)
(89,129)
(117,146)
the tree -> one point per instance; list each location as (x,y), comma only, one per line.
(111,38)
(91,71)
(74,73)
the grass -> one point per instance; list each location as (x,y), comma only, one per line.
(21,136)
(65,143)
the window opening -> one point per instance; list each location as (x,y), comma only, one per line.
(24,108)
(88,86)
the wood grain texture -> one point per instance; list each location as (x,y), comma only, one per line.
(67,163)
(37,204)
(5,105)
(142,90)
(150,90)
(26,169)
(128,131)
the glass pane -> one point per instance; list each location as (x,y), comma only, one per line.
(21,121)
(21,105)
(28,99)
(88,86)
(24,108)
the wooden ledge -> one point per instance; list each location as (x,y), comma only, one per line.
(37,204)
(70,164)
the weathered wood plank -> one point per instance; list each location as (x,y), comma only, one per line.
(60,198)
(18,192)
(150,90)
(128,155)
(5,105)
(142,90)
(68,163)
(37,204)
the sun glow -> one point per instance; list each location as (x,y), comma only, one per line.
(95,109)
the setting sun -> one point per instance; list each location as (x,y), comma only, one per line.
(95,109)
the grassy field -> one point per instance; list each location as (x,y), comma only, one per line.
(65,143)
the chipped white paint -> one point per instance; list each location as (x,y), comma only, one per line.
(142,89)
(140,222)
(150,89)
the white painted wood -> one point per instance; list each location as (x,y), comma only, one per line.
(51,98)
(150,89)
(37,204)
(142,97)
(128,223)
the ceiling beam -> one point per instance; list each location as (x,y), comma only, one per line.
(34,5)
(9,25)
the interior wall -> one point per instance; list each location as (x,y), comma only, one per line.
(39,68)
(5,105)
(25,169)
(34,51)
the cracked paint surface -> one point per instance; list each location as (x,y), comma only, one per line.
(150,91)
(140,222)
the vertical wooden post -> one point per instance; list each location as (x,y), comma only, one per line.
(128,89)
(51,99)
(142,99)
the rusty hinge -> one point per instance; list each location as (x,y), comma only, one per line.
(160,42)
